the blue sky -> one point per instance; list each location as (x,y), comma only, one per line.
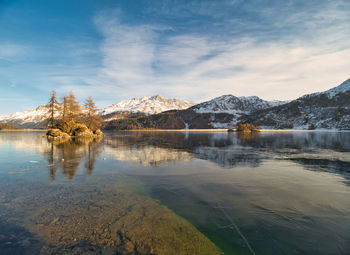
(115,50)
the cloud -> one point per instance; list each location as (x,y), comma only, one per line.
(10,52)
(282,53)
(140,60)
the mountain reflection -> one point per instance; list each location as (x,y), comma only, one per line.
(68,156)
(316,151)
(229,149)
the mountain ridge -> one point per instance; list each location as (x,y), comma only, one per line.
(329,109)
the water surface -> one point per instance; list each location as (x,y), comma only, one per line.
(176,193)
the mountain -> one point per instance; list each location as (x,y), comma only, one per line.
(234,105)
(220,112)
(323,110)
(124,109)
(147,105)
(230,108)
(27,119)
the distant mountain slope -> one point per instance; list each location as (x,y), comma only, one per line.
(27,119)
(233,105)
(148,105)
(230,108)
(329,110)
(124,109)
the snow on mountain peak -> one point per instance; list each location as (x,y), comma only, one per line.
(148,104)
(29,116)
(233,105)
(342,88)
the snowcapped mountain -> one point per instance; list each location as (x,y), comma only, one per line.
(323,110)
(342,88)
(28,119)
(148,105)
(233,105)
(226,110)
(327,110)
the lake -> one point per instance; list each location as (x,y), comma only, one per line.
(176,193)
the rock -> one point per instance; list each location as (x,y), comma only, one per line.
(57,134)
(98,132)
(68,129)
(81,130)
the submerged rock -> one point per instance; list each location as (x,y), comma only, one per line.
(112,220)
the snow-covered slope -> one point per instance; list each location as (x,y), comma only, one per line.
(234,108)
(29,118)
(323,110)
(233,105)
(148,105)
(342,88)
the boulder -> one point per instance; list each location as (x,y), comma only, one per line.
(80,130)
(98,132)
(57,136)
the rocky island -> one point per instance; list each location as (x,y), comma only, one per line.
(70,120)
(73,129)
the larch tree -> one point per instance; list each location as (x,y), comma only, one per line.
(64,109)
(73,110)
(53,108)
(91,118)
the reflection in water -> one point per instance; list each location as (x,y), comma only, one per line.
(317,151)
(230,149)
(68,156)
(267,193)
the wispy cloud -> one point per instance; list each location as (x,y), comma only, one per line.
(192,50)
(140,60)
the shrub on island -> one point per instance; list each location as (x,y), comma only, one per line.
(67,129)
(245,127)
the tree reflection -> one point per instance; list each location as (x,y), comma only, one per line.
(68,156)
(247,136)
(52,166)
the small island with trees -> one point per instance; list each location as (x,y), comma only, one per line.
(245,128)
(9,127)
(68,119)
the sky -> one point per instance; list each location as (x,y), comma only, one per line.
(195,50)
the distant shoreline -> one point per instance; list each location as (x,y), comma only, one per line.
(226,130)
(218,130)
(24,129)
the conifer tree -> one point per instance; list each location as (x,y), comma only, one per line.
(92,119)
(73,110)
(64,109)
(53,108)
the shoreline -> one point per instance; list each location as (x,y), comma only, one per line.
(226,130)
(219,130)
(21,130)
